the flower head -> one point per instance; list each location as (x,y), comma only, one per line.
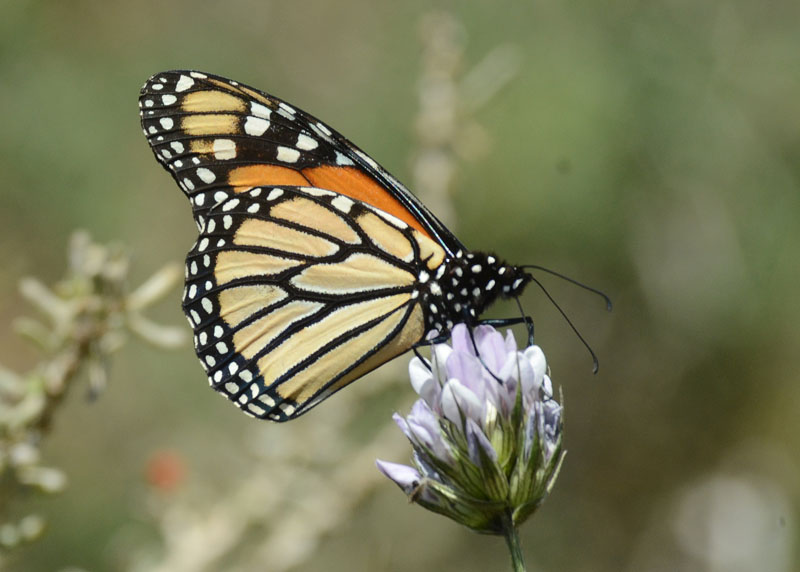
(486,431)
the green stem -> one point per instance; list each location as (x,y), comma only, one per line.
(514,546)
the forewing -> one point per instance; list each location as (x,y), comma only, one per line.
(219,138)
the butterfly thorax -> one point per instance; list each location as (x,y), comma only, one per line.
(464,286)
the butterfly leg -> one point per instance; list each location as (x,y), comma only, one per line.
(421,358)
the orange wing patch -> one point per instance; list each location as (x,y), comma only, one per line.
(347,181)
(357,185)
(245,178)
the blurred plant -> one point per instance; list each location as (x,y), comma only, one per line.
(446,130)
(84,319)
(486,434)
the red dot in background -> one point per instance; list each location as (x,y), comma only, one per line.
(165,470)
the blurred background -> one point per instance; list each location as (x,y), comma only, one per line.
(650,149)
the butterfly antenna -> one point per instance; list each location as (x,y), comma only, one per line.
(595,361)
(572,281)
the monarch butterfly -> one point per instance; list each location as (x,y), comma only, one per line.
(313,265)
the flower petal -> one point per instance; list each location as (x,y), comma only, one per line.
(405,477)
(465,400)
(476,439)
(467,369)
(491,346)
(535,357)
(423,382)
(461,339)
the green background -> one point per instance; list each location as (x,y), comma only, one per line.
(651,149)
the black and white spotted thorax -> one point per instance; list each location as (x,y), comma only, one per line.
(462,287)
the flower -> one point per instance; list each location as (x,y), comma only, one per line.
(486,432)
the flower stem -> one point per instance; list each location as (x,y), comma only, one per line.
(514,546)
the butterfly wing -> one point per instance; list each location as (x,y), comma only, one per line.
(213,133)
(304,275)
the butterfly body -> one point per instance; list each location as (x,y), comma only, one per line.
(313,265)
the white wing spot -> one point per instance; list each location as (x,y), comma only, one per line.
(288,108)
(324,128)
(203,245)
(288,155)
(177,163)
(256,409)
(218,331)
(198,75)
(206,175)
(369,160)
(168,99)
(260,110)
(255,126)
(195,317)
(274,194)
(206,260)
(148,103)
(230,205)
(192,291)
(177,146)
(188,184)
(342,203)
(391,219)
(211,361)
(207,305)
(220,196)
(253,208)
(306,143)
(246,375)
(343,160)
(199,199)
(255,192)
(231,387)
(166,154)
(203,338)
(224,149)
(157,86)
(233,368)
(227,221)
(222,347)
(315,192)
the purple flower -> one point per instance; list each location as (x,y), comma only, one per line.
(486,431)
